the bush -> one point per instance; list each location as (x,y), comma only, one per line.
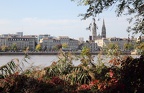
(132,74)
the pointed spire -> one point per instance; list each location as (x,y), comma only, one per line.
(103,22)
(103,30)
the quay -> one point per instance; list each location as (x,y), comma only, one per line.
(50,53)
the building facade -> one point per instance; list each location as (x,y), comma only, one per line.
(72,43)
(104,42)
(103,33)
(20,42)
(49,43)
(93,29)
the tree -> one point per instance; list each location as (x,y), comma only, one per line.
(38,47)
(59,46)
(4,48)
(112,46)
(128,46)
(112,49)
(44,48)
(141,47)
(14,47)
(129,7)
(64,45)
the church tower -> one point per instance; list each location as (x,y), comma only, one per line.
(103,33)
(93,29)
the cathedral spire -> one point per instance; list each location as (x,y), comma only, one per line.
(103,34)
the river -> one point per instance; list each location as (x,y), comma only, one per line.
(40,60)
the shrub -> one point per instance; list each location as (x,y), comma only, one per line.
(132,74)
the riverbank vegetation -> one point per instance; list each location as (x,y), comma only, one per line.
(120,74)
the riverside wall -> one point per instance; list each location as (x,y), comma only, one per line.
(47,53)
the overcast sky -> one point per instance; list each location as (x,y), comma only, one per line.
(55,17)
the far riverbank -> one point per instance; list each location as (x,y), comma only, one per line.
(49,53)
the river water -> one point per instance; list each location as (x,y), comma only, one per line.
(40,60)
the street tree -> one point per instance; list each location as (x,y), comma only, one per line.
(59,46)
(4,48)
(112,49)
(14,47)
(38,47)
(135,8)
(64,45)
(129,46)
(112,46)
(44,48)
(141,46)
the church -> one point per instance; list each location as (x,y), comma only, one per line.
(93,29)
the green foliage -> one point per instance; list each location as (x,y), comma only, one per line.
(132,74)
(12,67)
(4,48)
(62,67)
(63,77)
(98,6)
(14,47)
(128,46)
(112,50)
(64,45)
(58,47)
(65,69)
(138,26)
(126,7)
(141,46)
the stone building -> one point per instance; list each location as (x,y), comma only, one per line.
(103,33)
(49,43)
(21,42)
(72,43)
(119,41)
(93,29)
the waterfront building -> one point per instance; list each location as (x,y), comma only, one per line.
(64,39)
(21,42)
(72,43)
(81,40)
(8,35)
(20,34)
(91,45)
(3,41)
(85,44)
(42,36)
(94,47)
(49,43)
(33,36)
(119,41)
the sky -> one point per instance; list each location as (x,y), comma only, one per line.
(56,18)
